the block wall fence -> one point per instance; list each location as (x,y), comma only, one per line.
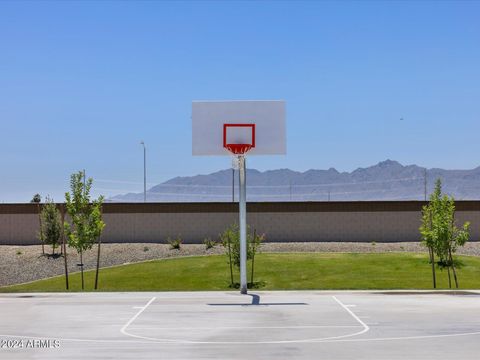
(363,221)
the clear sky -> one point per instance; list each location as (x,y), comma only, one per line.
(82,83)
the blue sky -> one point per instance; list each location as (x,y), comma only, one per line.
(82,83)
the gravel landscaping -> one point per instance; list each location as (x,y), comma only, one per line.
(20,264)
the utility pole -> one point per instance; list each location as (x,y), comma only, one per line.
(328,195)
(144,172)
(425,183)
(233,184)
(290,190)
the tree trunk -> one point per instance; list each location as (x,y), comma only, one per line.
(253,269)
(81,269)
(64,246)
(432,255)
(98,263)
(230,260)
(449,278)
(41,230)
(254,244)
(432,261)
(450,252)
(453,268)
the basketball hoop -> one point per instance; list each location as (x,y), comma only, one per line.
(238,149)
(238,138)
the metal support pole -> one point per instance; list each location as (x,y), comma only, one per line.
(290,190)
(84,182)
(425,184)
(144,171)
(243,223)
(144,174)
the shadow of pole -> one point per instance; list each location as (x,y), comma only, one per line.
(256,302)
(255,299)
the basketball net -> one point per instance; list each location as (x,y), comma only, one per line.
(237,151)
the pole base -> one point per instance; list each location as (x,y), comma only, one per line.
(243,290)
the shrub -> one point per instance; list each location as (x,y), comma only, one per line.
(175,244)
(209,243)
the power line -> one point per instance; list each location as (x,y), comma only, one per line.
(286,186)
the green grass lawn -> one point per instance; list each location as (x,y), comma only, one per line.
(286,271)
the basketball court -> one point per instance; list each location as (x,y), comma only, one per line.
(246,325)
(227,325)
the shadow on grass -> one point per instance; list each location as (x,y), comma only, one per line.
(442,265)
(456,262)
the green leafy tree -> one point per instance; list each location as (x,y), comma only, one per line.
(426,229)
(439,232)
(254,245)
(230,239)
(50,225)
(37,199)
(86,224)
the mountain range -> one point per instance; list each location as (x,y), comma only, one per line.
(387,180)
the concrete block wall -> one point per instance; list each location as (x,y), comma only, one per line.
(380,221)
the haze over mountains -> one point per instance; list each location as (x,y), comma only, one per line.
(387,180)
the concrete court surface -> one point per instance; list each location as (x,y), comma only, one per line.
(227,325)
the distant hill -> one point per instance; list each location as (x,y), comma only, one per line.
(387,180)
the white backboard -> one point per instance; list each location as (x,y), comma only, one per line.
(209,117)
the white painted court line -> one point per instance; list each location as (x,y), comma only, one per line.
(126,342)
(417,337)
(346,307)
(364,326)
(142,309)
(139,327)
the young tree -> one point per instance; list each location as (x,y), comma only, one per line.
(37,199)
(227,238)
(86,224)
(230,239)
(439,231)
(427,230)
(64,245)
(254,245)
(50,226)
